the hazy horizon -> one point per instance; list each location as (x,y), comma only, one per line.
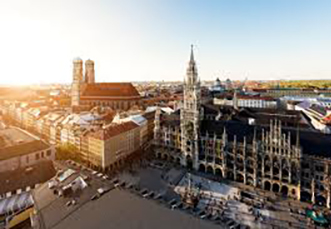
(150,40)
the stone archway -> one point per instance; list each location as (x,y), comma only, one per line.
(218,172)
(178,161)
(285,174)
(210,169)
(267,185)
(320,200)
(275,171)
(202,168)
(275,187)
(189,162)
(284,190)
(229,175)
(305,196)
(165,157)
(250,181)
(266,169)
(240,178)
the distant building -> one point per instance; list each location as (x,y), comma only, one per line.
(86,92)
(280,92)
(228,84)
(217,87)
(19,149)
(246,101)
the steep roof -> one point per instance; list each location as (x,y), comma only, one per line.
(22,149)
(110,90)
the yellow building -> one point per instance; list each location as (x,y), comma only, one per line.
(108,148)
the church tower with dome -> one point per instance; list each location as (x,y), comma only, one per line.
(76,82)
(86,93)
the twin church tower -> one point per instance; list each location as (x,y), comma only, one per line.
(78,79)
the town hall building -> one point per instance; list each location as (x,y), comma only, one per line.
(289,161)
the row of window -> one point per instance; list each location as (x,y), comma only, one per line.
(41,155)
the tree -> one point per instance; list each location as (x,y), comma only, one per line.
(68,151)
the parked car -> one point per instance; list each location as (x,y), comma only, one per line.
(179,205)
(103,190)
(232,224)
(85,177)
(186,207)
(150,194)
(172,203)
(95,196)
(202,214)
(129,186)
(144,192)
(158,196)
(115,182)
(105,177)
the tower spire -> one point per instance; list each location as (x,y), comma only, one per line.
(192,54)
(191,72)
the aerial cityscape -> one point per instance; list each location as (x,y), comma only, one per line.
(165,114)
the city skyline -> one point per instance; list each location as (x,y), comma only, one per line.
(151,41)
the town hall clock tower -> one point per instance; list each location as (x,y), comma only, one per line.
(190,115)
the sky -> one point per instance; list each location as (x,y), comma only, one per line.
(145,40)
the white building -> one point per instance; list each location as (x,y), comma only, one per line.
(247,101)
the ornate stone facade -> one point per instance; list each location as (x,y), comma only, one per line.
(190,115)
(287,161)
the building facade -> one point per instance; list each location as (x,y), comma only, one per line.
(19,149)
(108,148)
(287,161)
(85,92)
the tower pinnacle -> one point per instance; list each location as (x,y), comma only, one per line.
(191,72)
(192,55)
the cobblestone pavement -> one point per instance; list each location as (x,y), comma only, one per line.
(268,211)
(20,179)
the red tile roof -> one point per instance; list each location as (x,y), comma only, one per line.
(113,130)
(110,90)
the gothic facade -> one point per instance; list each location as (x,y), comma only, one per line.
(288,161)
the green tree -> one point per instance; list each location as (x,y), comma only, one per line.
(68,151)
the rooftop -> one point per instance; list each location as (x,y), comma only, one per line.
(15,203)
(15,142)
(21,179)
(116,90)
(13,136)
(113,130)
